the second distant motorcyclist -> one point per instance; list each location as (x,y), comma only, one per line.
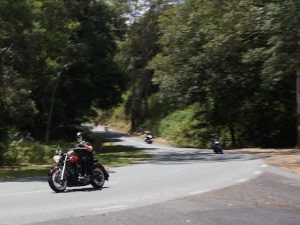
(106,127)
(215,144)
(148,137)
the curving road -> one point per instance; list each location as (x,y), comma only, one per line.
(170,174)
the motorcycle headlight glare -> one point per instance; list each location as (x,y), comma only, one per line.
(56,158)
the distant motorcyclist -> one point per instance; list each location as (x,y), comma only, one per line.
(215,144)
(106,127)
(148,137)
(214,137)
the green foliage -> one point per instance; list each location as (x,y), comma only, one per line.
(117,116)
(28,152)
(3,141)
(57,63)
(36,158)
(17,105)
(139,47)
(112,155)
(9,172)
(182,128)
(236,59)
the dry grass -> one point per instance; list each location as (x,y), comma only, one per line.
(286,159)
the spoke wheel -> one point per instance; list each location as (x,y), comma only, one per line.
(55,183)
(98,178)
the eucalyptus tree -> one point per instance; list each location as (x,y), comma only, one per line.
(237,59)
(277,53)
(298,74)
(257,42)
(80,42)
(17,106)
(57,62)
(137,50)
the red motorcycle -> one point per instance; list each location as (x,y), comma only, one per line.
(67,169)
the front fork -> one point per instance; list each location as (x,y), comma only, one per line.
(64,169)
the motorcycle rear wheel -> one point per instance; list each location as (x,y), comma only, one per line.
(54,181)
(218,150)
(98,178)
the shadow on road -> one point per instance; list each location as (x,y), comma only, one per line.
(165,154)
(25,179)
(85,189)
(112,136)
(200,156)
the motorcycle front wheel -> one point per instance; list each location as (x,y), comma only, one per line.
(54,181)
(98,178)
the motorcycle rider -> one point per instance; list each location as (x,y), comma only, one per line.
(214,137)
(148,136)
(215,144)
(106,127)
(84,150)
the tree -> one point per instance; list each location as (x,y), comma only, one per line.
(298,74)
(57,62)
(80,44)
(15,73)
(277,53)
(138,49)
(235,58)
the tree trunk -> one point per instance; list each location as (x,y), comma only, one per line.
(298,97)
(232,133)
(50,114)
(298,80)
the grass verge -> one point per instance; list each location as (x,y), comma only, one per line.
(109,154)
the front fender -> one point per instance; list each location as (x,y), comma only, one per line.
(52,169)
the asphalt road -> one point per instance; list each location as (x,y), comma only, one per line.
(266,200)
(176,186)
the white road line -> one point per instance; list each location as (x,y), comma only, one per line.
(258,172)
(241,180)
(110,208)
(199,192)
(264,165)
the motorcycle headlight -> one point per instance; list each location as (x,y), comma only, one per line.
(56,158)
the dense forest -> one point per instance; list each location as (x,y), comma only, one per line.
(215,67)
(183,69)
